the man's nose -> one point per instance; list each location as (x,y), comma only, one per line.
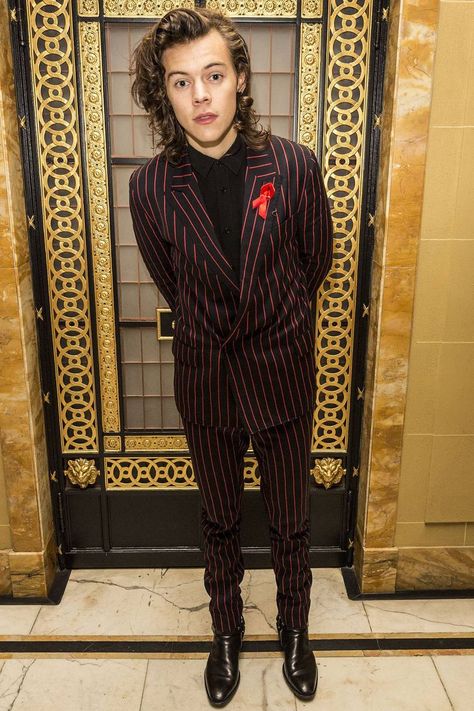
(200,93)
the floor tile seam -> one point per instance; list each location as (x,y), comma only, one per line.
(441,681)
(145,679)
(244,655)
(144,648)
(185,639)
(366,613)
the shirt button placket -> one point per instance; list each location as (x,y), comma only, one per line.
(223,204)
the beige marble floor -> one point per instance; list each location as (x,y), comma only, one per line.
(174,602)
(363,684)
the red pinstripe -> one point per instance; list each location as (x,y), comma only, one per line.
(283,455)
(244,353)
(249,335)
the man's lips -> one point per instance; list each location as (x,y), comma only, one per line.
(205,118)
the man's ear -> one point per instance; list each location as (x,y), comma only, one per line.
(241,82)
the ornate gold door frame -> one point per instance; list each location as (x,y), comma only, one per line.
(340,51)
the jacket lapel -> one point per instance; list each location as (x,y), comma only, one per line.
(189,208)
(256,230)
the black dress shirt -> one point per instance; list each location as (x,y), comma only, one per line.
(221,182)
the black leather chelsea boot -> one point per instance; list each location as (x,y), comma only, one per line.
(222,675)
(299,668)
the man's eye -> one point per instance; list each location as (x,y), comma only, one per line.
(216,75)
(179,81)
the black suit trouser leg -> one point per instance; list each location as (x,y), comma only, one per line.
(283,456)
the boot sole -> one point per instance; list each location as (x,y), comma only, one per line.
(218,704)
(303,697)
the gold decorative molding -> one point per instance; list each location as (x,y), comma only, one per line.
(311,8)
(51,44)
(345,119)
(143,8)
(328,471)
(148,472)
(310,62)
(234,8)
(88,8)
(254,8)
(93,92)
(112,443)
(251,478)
(82,472)
(155,443)
(162,472)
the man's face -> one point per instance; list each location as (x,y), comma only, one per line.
(200,79)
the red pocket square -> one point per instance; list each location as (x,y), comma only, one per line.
(267,191)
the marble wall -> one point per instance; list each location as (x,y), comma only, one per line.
(5,537)
(28,547)
(436,493)
(417,438)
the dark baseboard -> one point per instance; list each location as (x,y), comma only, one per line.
(255,558)
(354,593)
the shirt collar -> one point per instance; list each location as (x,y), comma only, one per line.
(233,158)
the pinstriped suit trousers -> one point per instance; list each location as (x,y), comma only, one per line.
(283,457)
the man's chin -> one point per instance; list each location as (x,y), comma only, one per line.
(207,139)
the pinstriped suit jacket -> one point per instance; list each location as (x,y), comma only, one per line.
(241,345)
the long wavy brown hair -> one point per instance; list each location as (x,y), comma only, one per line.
(148,87)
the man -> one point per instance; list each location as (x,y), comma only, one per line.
(235,229)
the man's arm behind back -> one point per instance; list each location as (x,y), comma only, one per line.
(156,253)
(315,228)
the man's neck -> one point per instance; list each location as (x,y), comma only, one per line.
(215,151)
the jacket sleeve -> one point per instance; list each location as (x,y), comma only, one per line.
(156,253)
(315,229)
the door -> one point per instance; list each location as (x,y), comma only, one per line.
(121,478)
